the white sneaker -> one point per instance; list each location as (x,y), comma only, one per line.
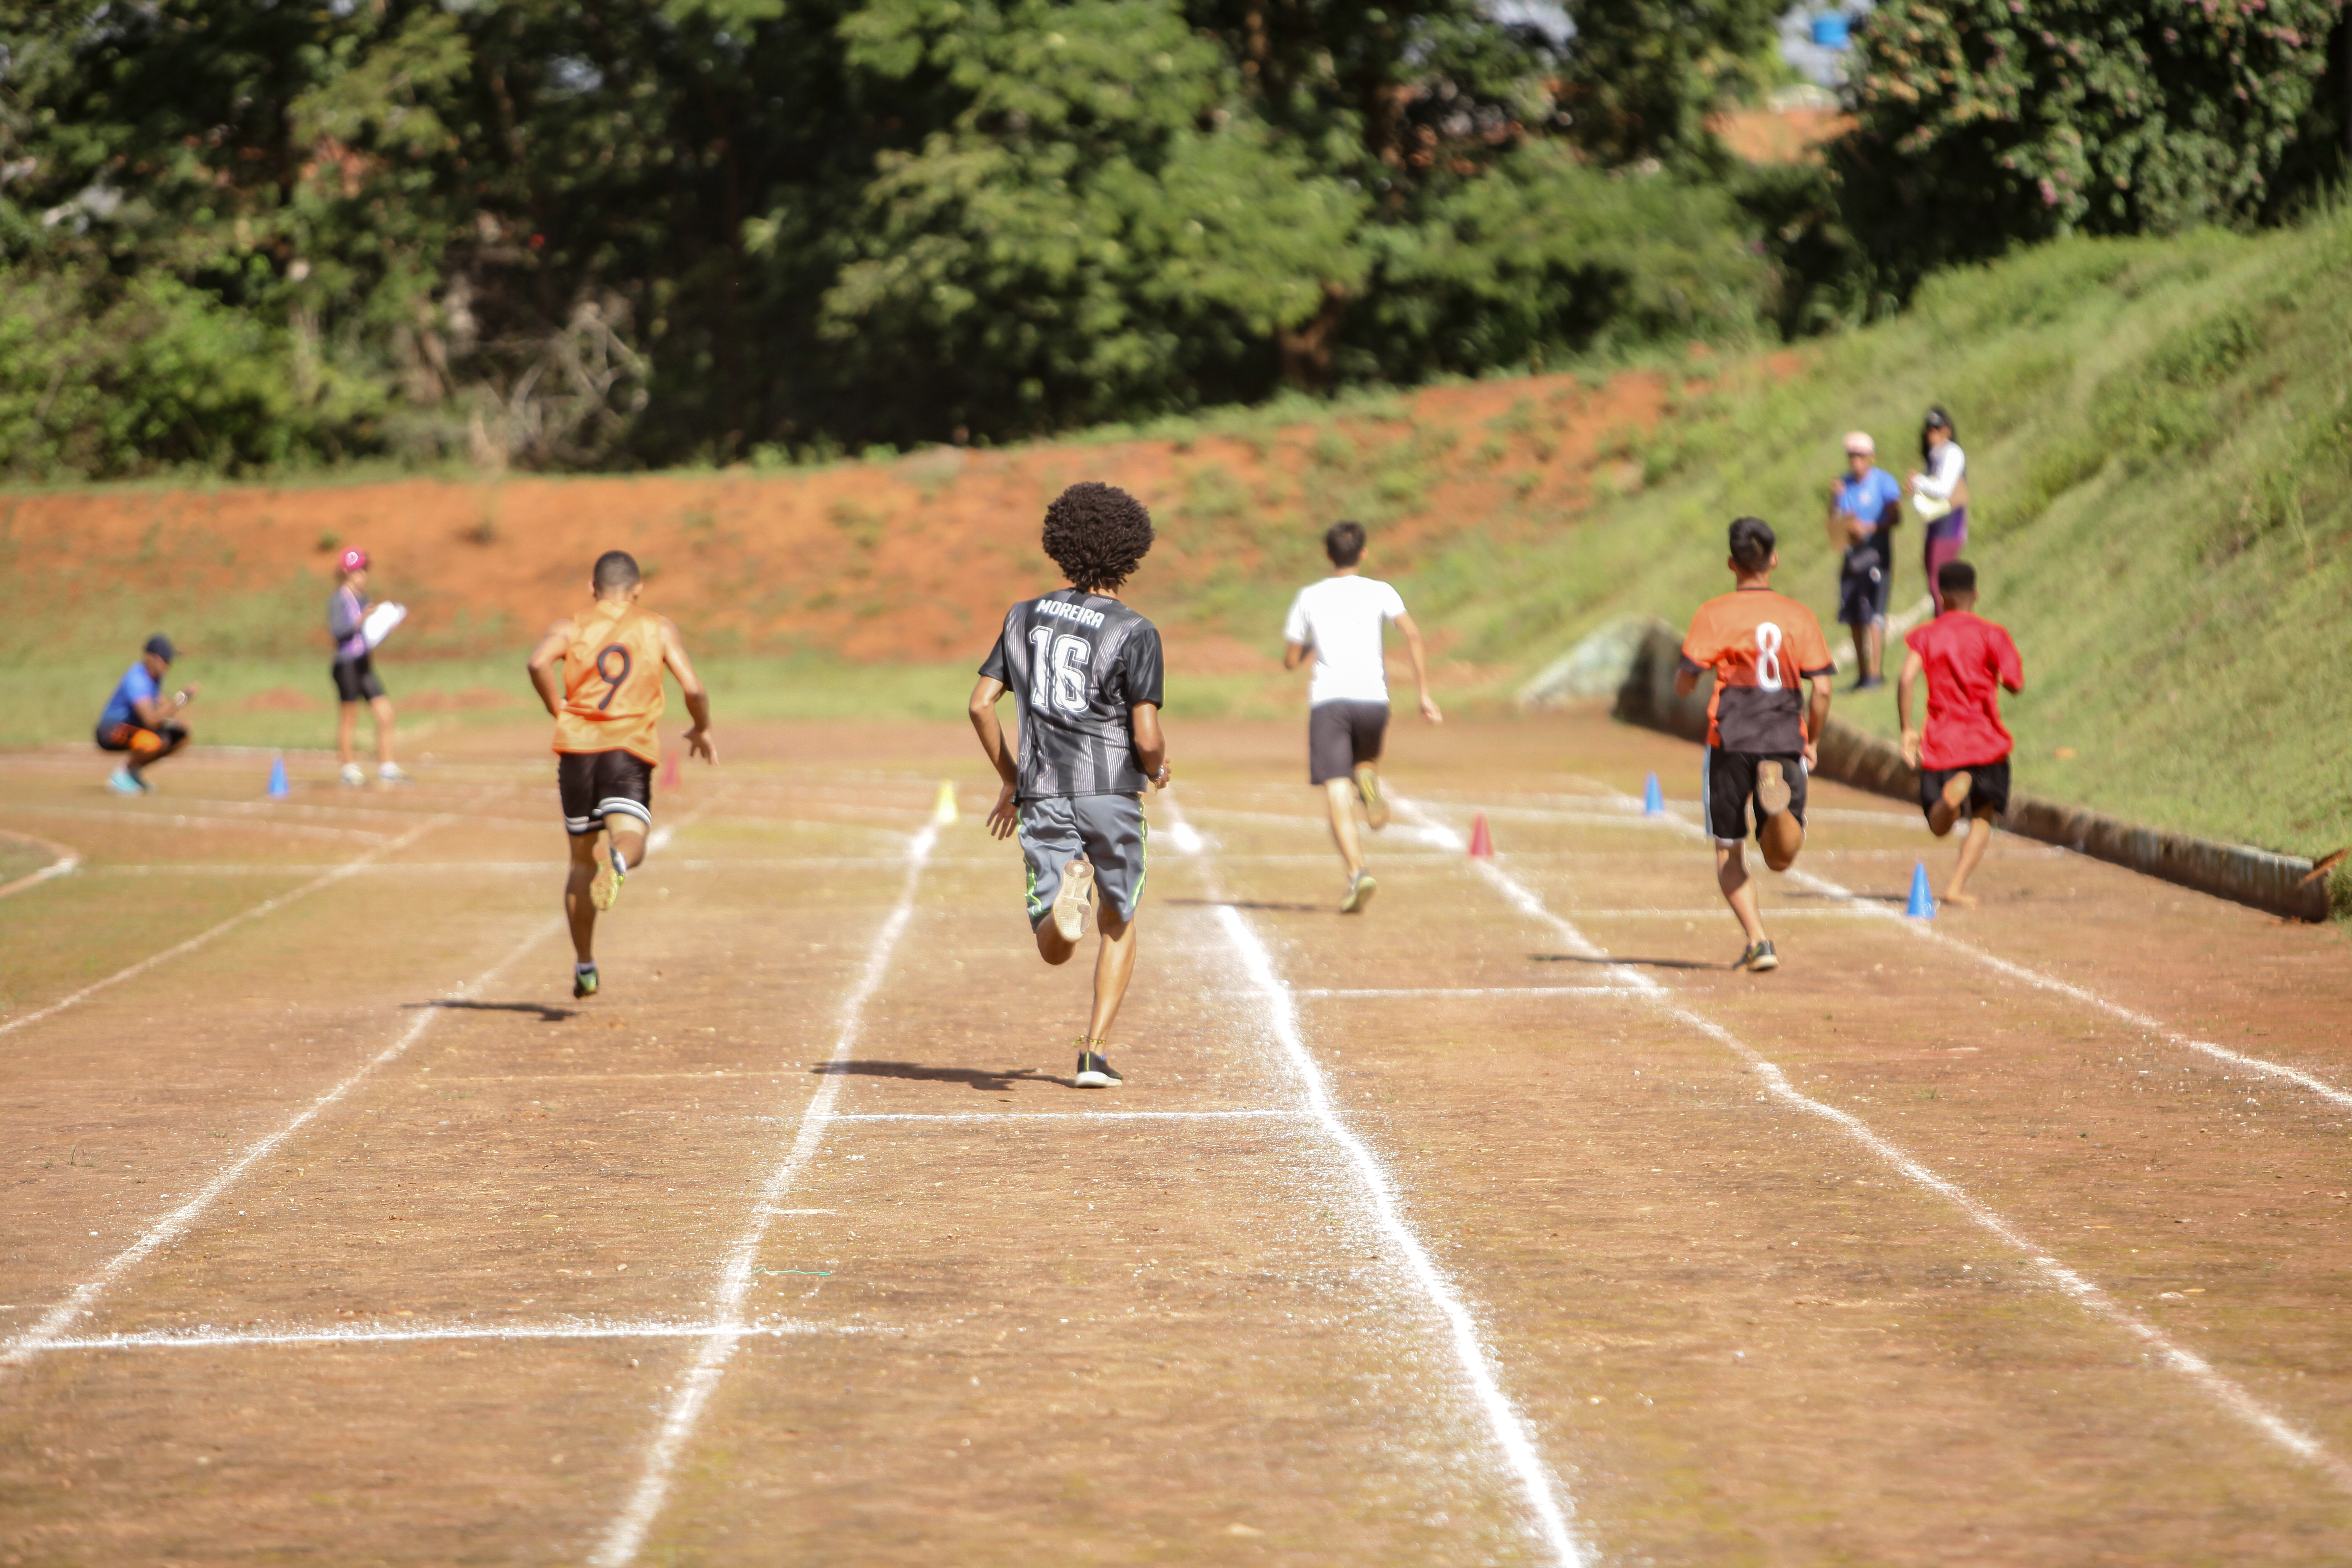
(1076,900)
(392,773)
(354,775)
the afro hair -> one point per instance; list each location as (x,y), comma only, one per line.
(1096,533)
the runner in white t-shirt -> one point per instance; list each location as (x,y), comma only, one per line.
(1338,620)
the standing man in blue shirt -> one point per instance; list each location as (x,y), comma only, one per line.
(139,721)
(1865,503)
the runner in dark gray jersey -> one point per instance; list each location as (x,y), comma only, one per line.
(1084,671)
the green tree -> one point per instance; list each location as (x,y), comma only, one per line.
(1644,75)
(1988,122)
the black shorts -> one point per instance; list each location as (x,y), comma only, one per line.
(595,785)
(1341,734)
(355,680)
(1863,582)
(1988,787)
(1726,781)
(126,737)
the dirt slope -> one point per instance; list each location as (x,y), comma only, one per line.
(911,559)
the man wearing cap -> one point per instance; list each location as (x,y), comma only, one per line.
(1865,503)
(354,672)
(139,721)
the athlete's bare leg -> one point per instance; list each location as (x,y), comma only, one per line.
(628,835)
(1972,849)
(346,724)
(1340,795)
(381,707)
(577,907)
(1739,890)
(1113,966)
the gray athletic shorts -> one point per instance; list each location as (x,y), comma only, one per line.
(1108,830)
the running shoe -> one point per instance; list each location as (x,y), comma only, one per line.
(1076,900)
(1376,804)
(1758,958)
(1771,789)
(605,890)
(1361,888)
(583,981)
(392,772)
(354,775)
(123,781)
(1095,1071)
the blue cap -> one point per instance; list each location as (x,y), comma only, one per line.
(161,646)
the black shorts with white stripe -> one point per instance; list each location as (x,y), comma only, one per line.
(597,785)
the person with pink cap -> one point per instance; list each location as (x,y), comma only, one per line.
(354,672)
(1865,503)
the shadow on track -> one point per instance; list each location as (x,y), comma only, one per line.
(1629,962)
(974,1077)
(547,1015)
(1254,904)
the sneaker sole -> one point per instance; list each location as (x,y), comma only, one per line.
(605,890)
(1094,1081)
(1772,793)
(580,992)
(1764,964)
(1376,806)
(1070,902)
(1358,896)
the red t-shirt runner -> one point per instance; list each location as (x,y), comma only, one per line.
(1967,659)
(1763,646)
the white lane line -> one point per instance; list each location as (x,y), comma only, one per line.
(1067,1115)
(183,819)
(2224,1390)
(1474,991)
(52,1327)
(1509,1429)
(628,1534)
(267,906)
(66,859)
(207,1340)
(1926,931)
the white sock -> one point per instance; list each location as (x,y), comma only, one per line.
(584,966)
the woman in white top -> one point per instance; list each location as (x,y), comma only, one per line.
(1940,495)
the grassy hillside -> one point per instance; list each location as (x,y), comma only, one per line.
(2160,455)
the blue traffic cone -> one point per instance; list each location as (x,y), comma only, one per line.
(278,788)
(1923,903)
(1653,799)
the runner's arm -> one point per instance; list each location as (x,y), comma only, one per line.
(546,666)
(154,712)
(1817,718)
(1151,745)
(1913,668)
(698,701)
(1295,654)
(1413,651)
(1002,817)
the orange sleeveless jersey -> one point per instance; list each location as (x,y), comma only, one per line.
(1763,647)
(613,685)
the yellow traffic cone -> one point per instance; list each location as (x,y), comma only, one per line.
(944,814)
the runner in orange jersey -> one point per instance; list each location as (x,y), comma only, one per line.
(600,674)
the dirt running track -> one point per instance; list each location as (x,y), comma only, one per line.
(1503,1225)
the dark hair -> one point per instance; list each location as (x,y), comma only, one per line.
(1937,419)
(617,571)
(1956,578)
(1343,541)
(1095,534)
(1752,543)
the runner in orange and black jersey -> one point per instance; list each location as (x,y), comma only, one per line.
(1765,648)
(600,674)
